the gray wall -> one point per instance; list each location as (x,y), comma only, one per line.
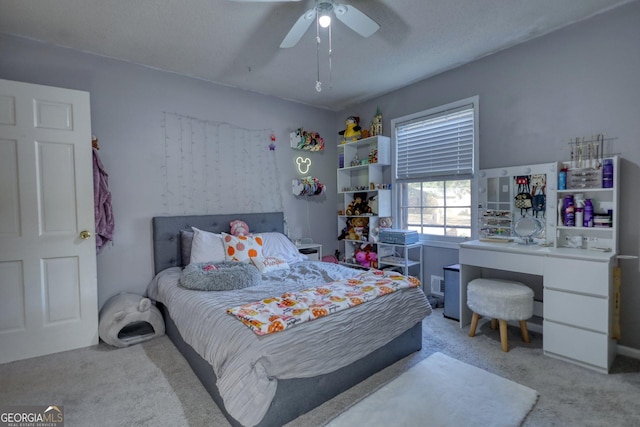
(127,105)
(577,81)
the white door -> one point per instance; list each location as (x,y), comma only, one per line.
(48,286)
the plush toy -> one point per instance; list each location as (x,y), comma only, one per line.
(239,228)
(353,130)
(359,205)
(366,257)
(359,229)
(385,222)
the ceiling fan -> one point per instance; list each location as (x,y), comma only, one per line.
(349,15)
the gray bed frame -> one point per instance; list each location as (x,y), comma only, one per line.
(296,396)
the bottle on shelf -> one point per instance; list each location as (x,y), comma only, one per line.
(569,211)
(562,179)
(607,173)
(579,209)
(588,214)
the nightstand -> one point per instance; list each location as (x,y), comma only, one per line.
(312,250)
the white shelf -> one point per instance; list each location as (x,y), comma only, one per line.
(359,178)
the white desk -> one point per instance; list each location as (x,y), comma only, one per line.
(578,295)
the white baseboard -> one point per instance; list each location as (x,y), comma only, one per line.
(623,350)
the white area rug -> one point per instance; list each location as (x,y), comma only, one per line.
(442,392)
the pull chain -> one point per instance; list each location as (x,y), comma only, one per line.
(318,82)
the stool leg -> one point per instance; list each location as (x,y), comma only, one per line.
(494,324)
(525,332)
(474,325)
(503,335)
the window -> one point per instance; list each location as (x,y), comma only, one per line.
(434,165)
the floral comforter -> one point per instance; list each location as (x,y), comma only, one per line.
(276,314)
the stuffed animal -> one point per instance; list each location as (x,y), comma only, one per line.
(366,256)
(353,130)
(359,229)
(385,222)
(239,228)
(359,205)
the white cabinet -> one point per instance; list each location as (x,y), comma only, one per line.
(364,195)
(578,311)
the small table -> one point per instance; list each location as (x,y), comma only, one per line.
(308,250)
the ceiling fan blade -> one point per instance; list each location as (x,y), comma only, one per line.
(356,20)
(299,28)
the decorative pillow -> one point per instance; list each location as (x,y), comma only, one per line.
(241,248)
(278,245)
(268,264)
(186,239)
(206,247)
(223,276)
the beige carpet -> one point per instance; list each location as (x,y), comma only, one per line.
(442,392)
(150,384)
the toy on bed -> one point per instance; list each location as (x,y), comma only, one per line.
(353,130)
(239,228)
(128,319)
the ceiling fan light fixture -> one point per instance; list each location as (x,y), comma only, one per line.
(324,20)
(324,14)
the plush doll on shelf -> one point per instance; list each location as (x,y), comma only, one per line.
(385,222)
(353,130)
(239,228)
(359,205)
(366,257)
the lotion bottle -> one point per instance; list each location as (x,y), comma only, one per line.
(588,214)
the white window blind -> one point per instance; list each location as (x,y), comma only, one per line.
(436,146)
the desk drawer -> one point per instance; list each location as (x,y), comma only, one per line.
(522,263)
(578,344)
(578,310)
(578,276)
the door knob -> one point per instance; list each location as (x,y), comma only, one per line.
(84,234)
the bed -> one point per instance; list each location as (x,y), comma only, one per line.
(272,379)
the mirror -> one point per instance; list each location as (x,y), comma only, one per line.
(526,228)
(508,194)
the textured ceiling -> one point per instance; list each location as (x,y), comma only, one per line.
(237,43)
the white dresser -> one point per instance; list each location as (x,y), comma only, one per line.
(578,294)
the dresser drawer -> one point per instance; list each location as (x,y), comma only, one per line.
(578,344)
(577,310)
(578,276)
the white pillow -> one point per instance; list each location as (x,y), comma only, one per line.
(278,245)
(267,264)
(206,247)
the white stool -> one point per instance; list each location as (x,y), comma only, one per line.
(500,300)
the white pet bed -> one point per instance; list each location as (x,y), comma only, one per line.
(128,319)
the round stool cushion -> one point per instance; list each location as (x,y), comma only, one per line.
(500,299)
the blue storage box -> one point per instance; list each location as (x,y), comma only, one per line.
(397,236)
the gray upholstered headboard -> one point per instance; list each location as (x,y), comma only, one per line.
(166,232)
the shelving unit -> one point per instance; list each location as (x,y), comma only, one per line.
(408,258)
(365,171)
(603,200)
